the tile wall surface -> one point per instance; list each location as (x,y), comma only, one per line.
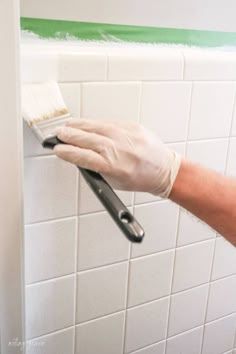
(88,290)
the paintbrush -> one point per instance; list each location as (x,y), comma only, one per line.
(44,110)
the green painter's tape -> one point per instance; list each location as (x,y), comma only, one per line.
(98,31)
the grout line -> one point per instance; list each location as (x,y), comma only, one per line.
(131,246)
(122,262)
(46,221)
(172,280)
(76,259)
(214,251)
(91,320)
(51,333)
(115,313)
(179,212)
(146,346)
(208,295)
(206,139)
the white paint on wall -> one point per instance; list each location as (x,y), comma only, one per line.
(201,14)
(10,182)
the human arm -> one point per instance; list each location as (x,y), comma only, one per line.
(132,158)
(208,195)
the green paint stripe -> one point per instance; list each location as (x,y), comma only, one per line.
(61,29)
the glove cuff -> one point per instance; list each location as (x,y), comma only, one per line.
(174,169)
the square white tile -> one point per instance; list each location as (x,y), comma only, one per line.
(187,310)
(165,109)
(89,203)
(46,308)
(185,343)
(101,291)
(158,348)
(193,265)
(104,335)
(74,67)
(50,189)
(111,101)
(54,243)
(222,298)
(219,335)
(100,241)
(39,66)
(32,146)
(150,277)
(159,221)
(71,94)
(211,109)
(146,324)
(231,165)
(56,343)
(205,64)
(224,260)
(153,64)
(209,153)
(192,229)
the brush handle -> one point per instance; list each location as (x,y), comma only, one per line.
(112,203)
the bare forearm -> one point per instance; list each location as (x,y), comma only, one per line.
(208,195)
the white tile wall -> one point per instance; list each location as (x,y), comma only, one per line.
(158,348)
(211,109)
(209,65)
(149,65)
(146,324)
(100,241)
(60,342)
(161,101)
(193,265)
(220,290)
(187,310)
(234,124)
(192,229)
(225,259)
(53,242)
(101,291)
(150,277)
(75,67)
(104,335)
(76,256)
(231,167)
(50,189)
(209,153)
(160,233)
(186,343)
(219,335)
(115,101)
(50,306)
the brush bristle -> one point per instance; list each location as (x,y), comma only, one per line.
(41,102)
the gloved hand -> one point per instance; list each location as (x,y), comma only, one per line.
(127,155)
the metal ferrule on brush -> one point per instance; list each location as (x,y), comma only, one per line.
(46,129)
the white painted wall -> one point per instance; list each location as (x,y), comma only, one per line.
(201,14)
(10,181)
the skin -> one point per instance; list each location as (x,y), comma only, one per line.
(208,195)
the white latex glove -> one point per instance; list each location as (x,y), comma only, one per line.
(126,154)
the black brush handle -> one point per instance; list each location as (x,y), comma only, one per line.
(118,211)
